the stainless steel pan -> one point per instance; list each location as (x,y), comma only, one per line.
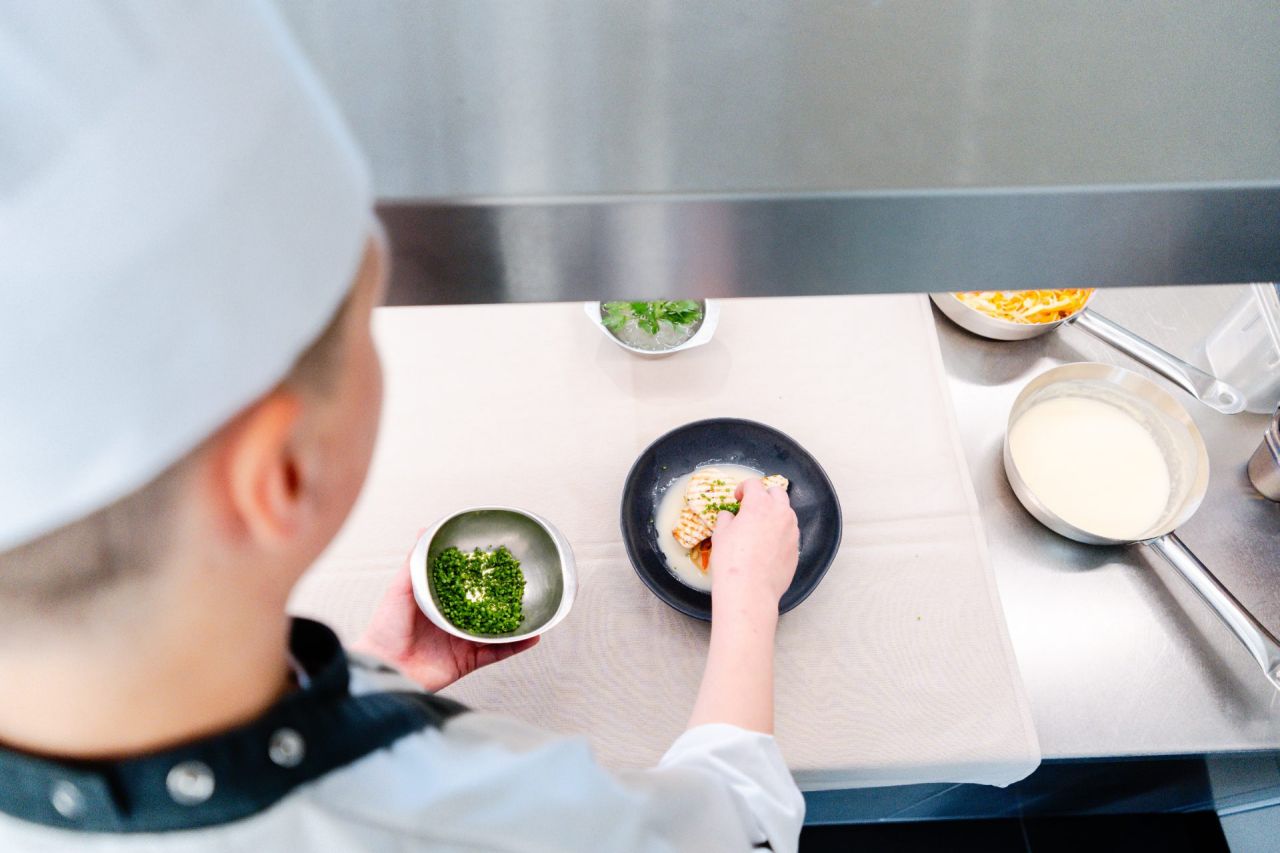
(1189,474)
(1208,389)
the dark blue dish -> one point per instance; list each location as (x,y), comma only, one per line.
(740,442)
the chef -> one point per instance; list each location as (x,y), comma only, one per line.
(189,396)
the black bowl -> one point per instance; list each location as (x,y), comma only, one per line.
(740,442)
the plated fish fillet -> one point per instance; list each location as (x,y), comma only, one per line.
(691,529)
(709,491)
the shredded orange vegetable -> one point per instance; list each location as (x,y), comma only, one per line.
(1027,306)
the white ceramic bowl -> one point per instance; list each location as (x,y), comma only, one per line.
(710,319)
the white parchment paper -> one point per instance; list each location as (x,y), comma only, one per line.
(897,670)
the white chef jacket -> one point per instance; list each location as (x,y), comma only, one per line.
(484,782)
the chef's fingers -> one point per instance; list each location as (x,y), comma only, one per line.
(752,489)
(492,653)
(724,518)
(779,493)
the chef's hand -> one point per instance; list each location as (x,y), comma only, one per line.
(753,558)
(754,553)
(400,635)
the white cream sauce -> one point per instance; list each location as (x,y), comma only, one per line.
(1093,464)
(670,504)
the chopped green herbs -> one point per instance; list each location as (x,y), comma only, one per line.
(479,592)
(650,315)
(725,506)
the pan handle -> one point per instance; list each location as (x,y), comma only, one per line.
(1257,639)
(1210,390)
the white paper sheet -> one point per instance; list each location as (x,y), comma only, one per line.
(897,670)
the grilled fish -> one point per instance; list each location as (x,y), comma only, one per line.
(708,490)
(691,529)
(776,480)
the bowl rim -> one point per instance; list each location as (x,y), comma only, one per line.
(680,607)
(422,584)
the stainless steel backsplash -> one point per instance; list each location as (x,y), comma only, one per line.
(560,139)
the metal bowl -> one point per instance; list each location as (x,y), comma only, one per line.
(550,575)
(702,330)
(994,328)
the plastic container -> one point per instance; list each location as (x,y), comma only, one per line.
(1244,348)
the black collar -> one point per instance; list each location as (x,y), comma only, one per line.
(231,775)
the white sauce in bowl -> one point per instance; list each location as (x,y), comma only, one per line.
(670,503)
(1093,464)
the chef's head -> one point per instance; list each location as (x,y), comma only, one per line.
(189,264)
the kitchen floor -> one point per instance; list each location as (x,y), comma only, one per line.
(1195,832)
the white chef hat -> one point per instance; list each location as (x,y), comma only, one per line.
(181,212)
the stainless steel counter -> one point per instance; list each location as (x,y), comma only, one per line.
(1119,656)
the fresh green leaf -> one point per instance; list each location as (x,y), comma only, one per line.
(646,316)
(614,315)
(684,312)
(650,315)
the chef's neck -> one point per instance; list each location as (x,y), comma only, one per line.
(167,658)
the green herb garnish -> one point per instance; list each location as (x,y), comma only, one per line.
(479,592)
(650,315)
(725,506)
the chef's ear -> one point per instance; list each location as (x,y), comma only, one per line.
(265,477)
